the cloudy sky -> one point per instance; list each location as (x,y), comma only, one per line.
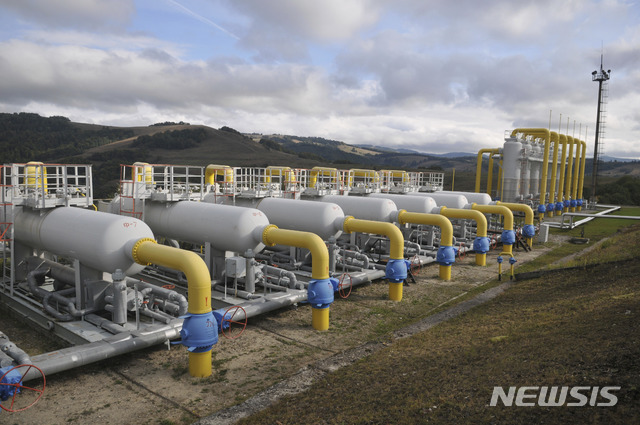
(432,75)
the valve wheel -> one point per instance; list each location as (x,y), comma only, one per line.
(416,265)
(26,391)
(462,253)
(234,328)
(169,286)
(494,242)
(342,288)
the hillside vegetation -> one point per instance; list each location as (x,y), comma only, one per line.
(29,137)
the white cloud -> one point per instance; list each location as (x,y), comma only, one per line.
(73,13)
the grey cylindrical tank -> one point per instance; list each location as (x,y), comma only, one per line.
(449,200)
(419,204)
(322,218)
(365,208)
(226,227)
(98,240)
(473,197)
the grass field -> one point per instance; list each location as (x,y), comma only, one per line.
(568,328)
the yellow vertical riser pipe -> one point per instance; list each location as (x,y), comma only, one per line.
(529,229)
(508,236)
(396,241)
(576,176)
(569,174)
(554,169)
(490,151)
(546,134)
(582,165)
(147,251)
(272,235)
(446,233)
(563,163)
(481,227)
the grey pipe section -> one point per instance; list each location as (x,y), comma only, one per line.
(236,292)
(265,305)
(9,349)
(105,324)
(72,357)
(162,317)
(58,296)
(280,273)
(168,294)
(356,255)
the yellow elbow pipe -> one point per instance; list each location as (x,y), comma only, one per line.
(446,233)
(147,251)
(272,235)
(479,165)
(546,134)
(508,223)
(320,292)
(568,175)
(527,231)
(481,226)
(582,165)
(554,170)
(396,241)
(576,175)
(563,162)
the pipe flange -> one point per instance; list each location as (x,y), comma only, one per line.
(265,233)
(345,225)
(136,246)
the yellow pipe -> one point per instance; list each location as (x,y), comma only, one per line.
(446,232)
(567,184)
(213,171)
(490,151)
(272,235)
(554,169)
(546,134)
(576,175)
(528,216)
(508,220)
(147,251)
(560,200)
(481,226)
(490,175)
(499,186)
(582,164)
(396,241)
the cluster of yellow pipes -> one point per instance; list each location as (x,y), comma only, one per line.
(570,183)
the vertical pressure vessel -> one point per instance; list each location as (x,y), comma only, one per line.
(511,154)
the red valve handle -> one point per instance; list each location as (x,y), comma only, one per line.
(233,332)
(19,387)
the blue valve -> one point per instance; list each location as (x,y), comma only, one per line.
(320,292)
(481,244)
(396,270)
(199,332)
(446,255)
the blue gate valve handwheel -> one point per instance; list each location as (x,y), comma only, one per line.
(499,259)
(396,270)
(508,237)
(320,292)
(529,230)
(446,255)
(551,207)
(512,260)
(541,209)
(199,332)
(559,206)
(481,244)
(574,203)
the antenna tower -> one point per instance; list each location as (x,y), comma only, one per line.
(602,77)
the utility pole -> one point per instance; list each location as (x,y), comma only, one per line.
(601,77)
